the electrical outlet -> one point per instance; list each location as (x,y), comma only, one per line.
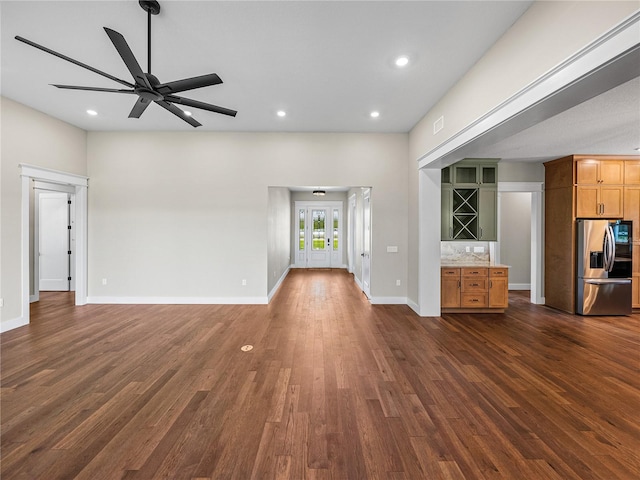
(468,249)
(244,282)
(478,249)
(1,302)
(397,283)
(104,281)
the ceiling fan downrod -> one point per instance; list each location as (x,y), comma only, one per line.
(152,7)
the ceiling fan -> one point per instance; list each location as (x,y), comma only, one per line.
(146,86)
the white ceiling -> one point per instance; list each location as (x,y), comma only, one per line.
(327,64)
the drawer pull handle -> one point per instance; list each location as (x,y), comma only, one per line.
(474,284)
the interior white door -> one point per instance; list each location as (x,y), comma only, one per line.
(319,233)
(366,244)
(53,218)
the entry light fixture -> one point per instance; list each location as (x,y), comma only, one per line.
(93,113)
(402,61)
(319,193)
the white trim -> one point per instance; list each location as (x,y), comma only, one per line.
(520,186)
(178,300)
(389,300)
(519,286)
(34,298)
(7,325)
(617,41)
(358,282)
(54,176)
(413,306)
(277,285)
(28,172)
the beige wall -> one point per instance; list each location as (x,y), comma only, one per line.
(185,214)
(29,137)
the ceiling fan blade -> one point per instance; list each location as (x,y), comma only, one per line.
(178,113)
(127,56)
(139,107)
(197,104)
(75,62)
(189,84)
(93,89)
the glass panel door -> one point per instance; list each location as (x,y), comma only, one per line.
(319,233)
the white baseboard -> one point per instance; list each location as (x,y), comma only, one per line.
(179,300)
(389,300)
(11,324)
(34,298)
(413,306)
(358,282)
(277,285)
(519,286)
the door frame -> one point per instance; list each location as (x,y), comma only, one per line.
(367,238)
(537,241)
(80,183)
(331,205)
(44,187)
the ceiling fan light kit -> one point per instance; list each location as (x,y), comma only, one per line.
(146,86)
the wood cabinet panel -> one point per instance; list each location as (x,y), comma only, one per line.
(587,172)
(587,204)
(471,284)
(635,292)
(450,292)
(612,172)
(632,210)
(474,300)
(632,172)
(498,292)
(611,198)
(474,271)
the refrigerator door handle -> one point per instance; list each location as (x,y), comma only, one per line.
(609,249)
(608,281)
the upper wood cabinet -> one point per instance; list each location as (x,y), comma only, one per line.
(591,171)
(632,172)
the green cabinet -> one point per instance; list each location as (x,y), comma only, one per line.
(469,201)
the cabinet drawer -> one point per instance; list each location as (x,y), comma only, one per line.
(498,272)
(450,272)
(474,300)
(470,284)
(474,272)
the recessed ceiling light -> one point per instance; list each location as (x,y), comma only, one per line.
(637,149)
(402,61)
(281,113)
(187,113)
(375,114)
(93,113)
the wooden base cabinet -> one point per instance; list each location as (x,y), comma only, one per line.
(474,289)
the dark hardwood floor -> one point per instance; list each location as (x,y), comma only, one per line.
(334,388)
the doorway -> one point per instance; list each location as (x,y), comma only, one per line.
(318,234)
(79,183)
(53,241)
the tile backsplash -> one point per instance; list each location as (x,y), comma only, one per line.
(464,252)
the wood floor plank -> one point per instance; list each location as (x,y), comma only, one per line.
(334,388)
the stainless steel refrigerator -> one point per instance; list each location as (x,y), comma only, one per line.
(604,267)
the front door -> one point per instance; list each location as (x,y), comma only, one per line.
(319,245)
(319,235)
